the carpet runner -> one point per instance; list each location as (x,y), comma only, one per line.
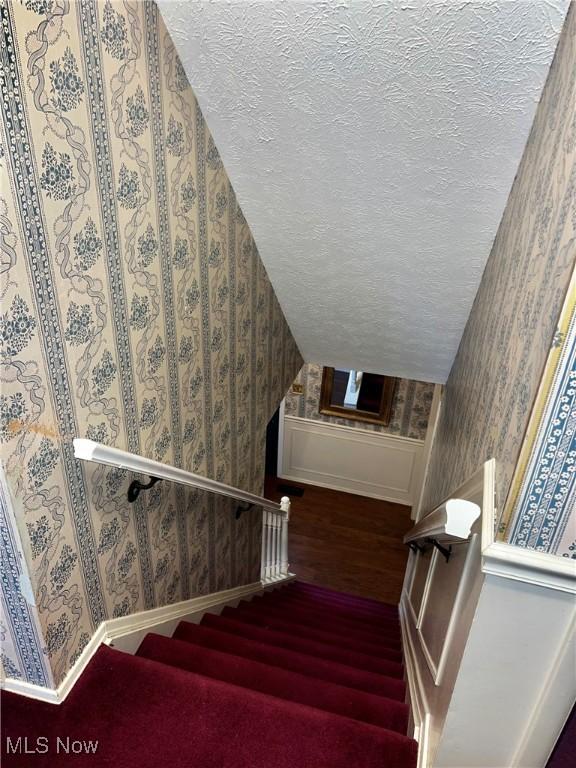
(301,677)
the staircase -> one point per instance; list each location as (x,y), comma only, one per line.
(300,677)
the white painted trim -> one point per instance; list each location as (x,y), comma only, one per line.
(416,689)
(345,489)
(410,572)
(426,590)
(509,561)
(50,695)
(423,603)
(511,649)
(488,523)
(438,667)
(463,593)
(428,657)
(354,430)
(451,520)
(372,464)
(493,659)
(429,679)
(433,419)
(483,479)
(411,610)
(57,695)
(125,625)
(112,629)
(539,568)
(552,708)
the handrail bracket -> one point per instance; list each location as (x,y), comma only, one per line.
(136,486)
(446,551)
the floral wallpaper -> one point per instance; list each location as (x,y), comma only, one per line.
(540,511)
(410,409)
(135,312)
(499,365)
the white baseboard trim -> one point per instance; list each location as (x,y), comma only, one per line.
(57,695)
(418,701)
(335,486)
(114,629)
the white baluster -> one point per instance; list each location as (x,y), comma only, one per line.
(264,540)
(279,545)
(274,556)
(270,546)
(285,505)
(274,545)
(270,558)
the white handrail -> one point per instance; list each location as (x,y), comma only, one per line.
(88,450)
(451,520)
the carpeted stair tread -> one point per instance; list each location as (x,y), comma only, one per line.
(329,612)
(308,592)
(335,624)
(273,681)
(308,585)
(314,618)
(243,613)
(319,593)
(311,647)
(145,714)
(358,613)
(366,623)
(303,586)
(321,669)
(385,612)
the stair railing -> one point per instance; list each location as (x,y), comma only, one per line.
(275,542)
(275,517)
(452,521)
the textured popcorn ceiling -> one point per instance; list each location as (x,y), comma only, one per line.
(372,146)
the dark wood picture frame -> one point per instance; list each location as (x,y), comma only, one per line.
(382,418)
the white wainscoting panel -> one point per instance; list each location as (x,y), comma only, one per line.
(517,639)
(489,646)
(448,581)
(437,609)
(357,461)
(423,566)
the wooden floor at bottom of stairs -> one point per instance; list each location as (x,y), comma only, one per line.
(346,542)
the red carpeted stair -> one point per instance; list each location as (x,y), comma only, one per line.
(386,645)
(302,677)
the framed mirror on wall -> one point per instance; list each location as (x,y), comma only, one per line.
(357,395)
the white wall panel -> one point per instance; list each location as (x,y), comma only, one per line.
(367,463)
(489,642)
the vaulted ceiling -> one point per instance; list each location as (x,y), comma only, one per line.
(372,145)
